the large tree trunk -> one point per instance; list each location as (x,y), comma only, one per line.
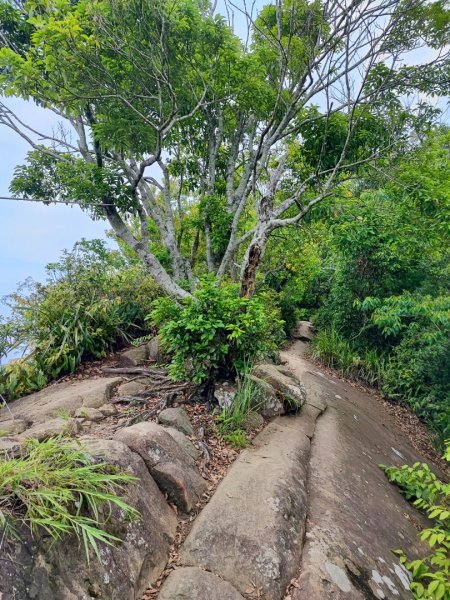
(154,267)
(250,264)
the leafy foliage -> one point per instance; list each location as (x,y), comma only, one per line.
(418,370)
(56,486)
(92,301)
(382,296)
(431,574)
(217,332)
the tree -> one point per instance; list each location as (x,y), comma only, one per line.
(182,135)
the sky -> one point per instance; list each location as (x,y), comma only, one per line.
(32,235)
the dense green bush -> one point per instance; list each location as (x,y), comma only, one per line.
(382,294)
(217,332)
(430,574)
(419,367)
(93,300)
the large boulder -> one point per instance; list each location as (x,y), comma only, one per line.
(35,569)
(268,403)
(290,391)
(184,442)
(251,531)
(155,351)
(178,418)
(190,583)
(173,469)
(134,357)
(304,330)
(130,388)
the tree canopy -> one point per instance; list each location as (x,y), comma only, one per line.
(196,145)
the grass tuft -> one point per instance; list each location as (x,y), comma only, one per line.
(56,486)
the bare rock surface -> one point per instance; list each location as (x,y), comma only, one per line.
(130,388)
(61,398)
(269,405)
(355,516)
(304,330)
(184,442)
(291,391)
(45,429)
(90,414)
(190,583)
(173,469)
(154,350)
(308,502)
(34,569)
(251,531)
(178,418)
(225,393)
(134,357)
(9,446)
(13,426)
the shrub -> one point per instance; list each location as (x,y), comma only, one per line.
(418,370)
(57,487)
(336,352)
(93,301)
(217,332)
(431,574)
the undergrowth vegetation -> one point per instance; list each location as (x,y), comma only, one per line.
(380,297)
(232,419)
(93,301)
(430,574)
(217,333)
(55,486)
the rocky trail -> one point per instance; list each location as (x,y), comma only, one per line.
(303,513)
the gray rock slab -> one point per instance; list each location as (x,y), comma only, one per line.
(355,516)
(251,531)
(154,350)
(107,410)
(64,397)
(130,388)
(173,469)
(13,426)
(304,330)
(269,405)
(134,357)
(292,392)
(184,442)
(9,446)
(43,430)
(178,418)
(90,414)
(190,583)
